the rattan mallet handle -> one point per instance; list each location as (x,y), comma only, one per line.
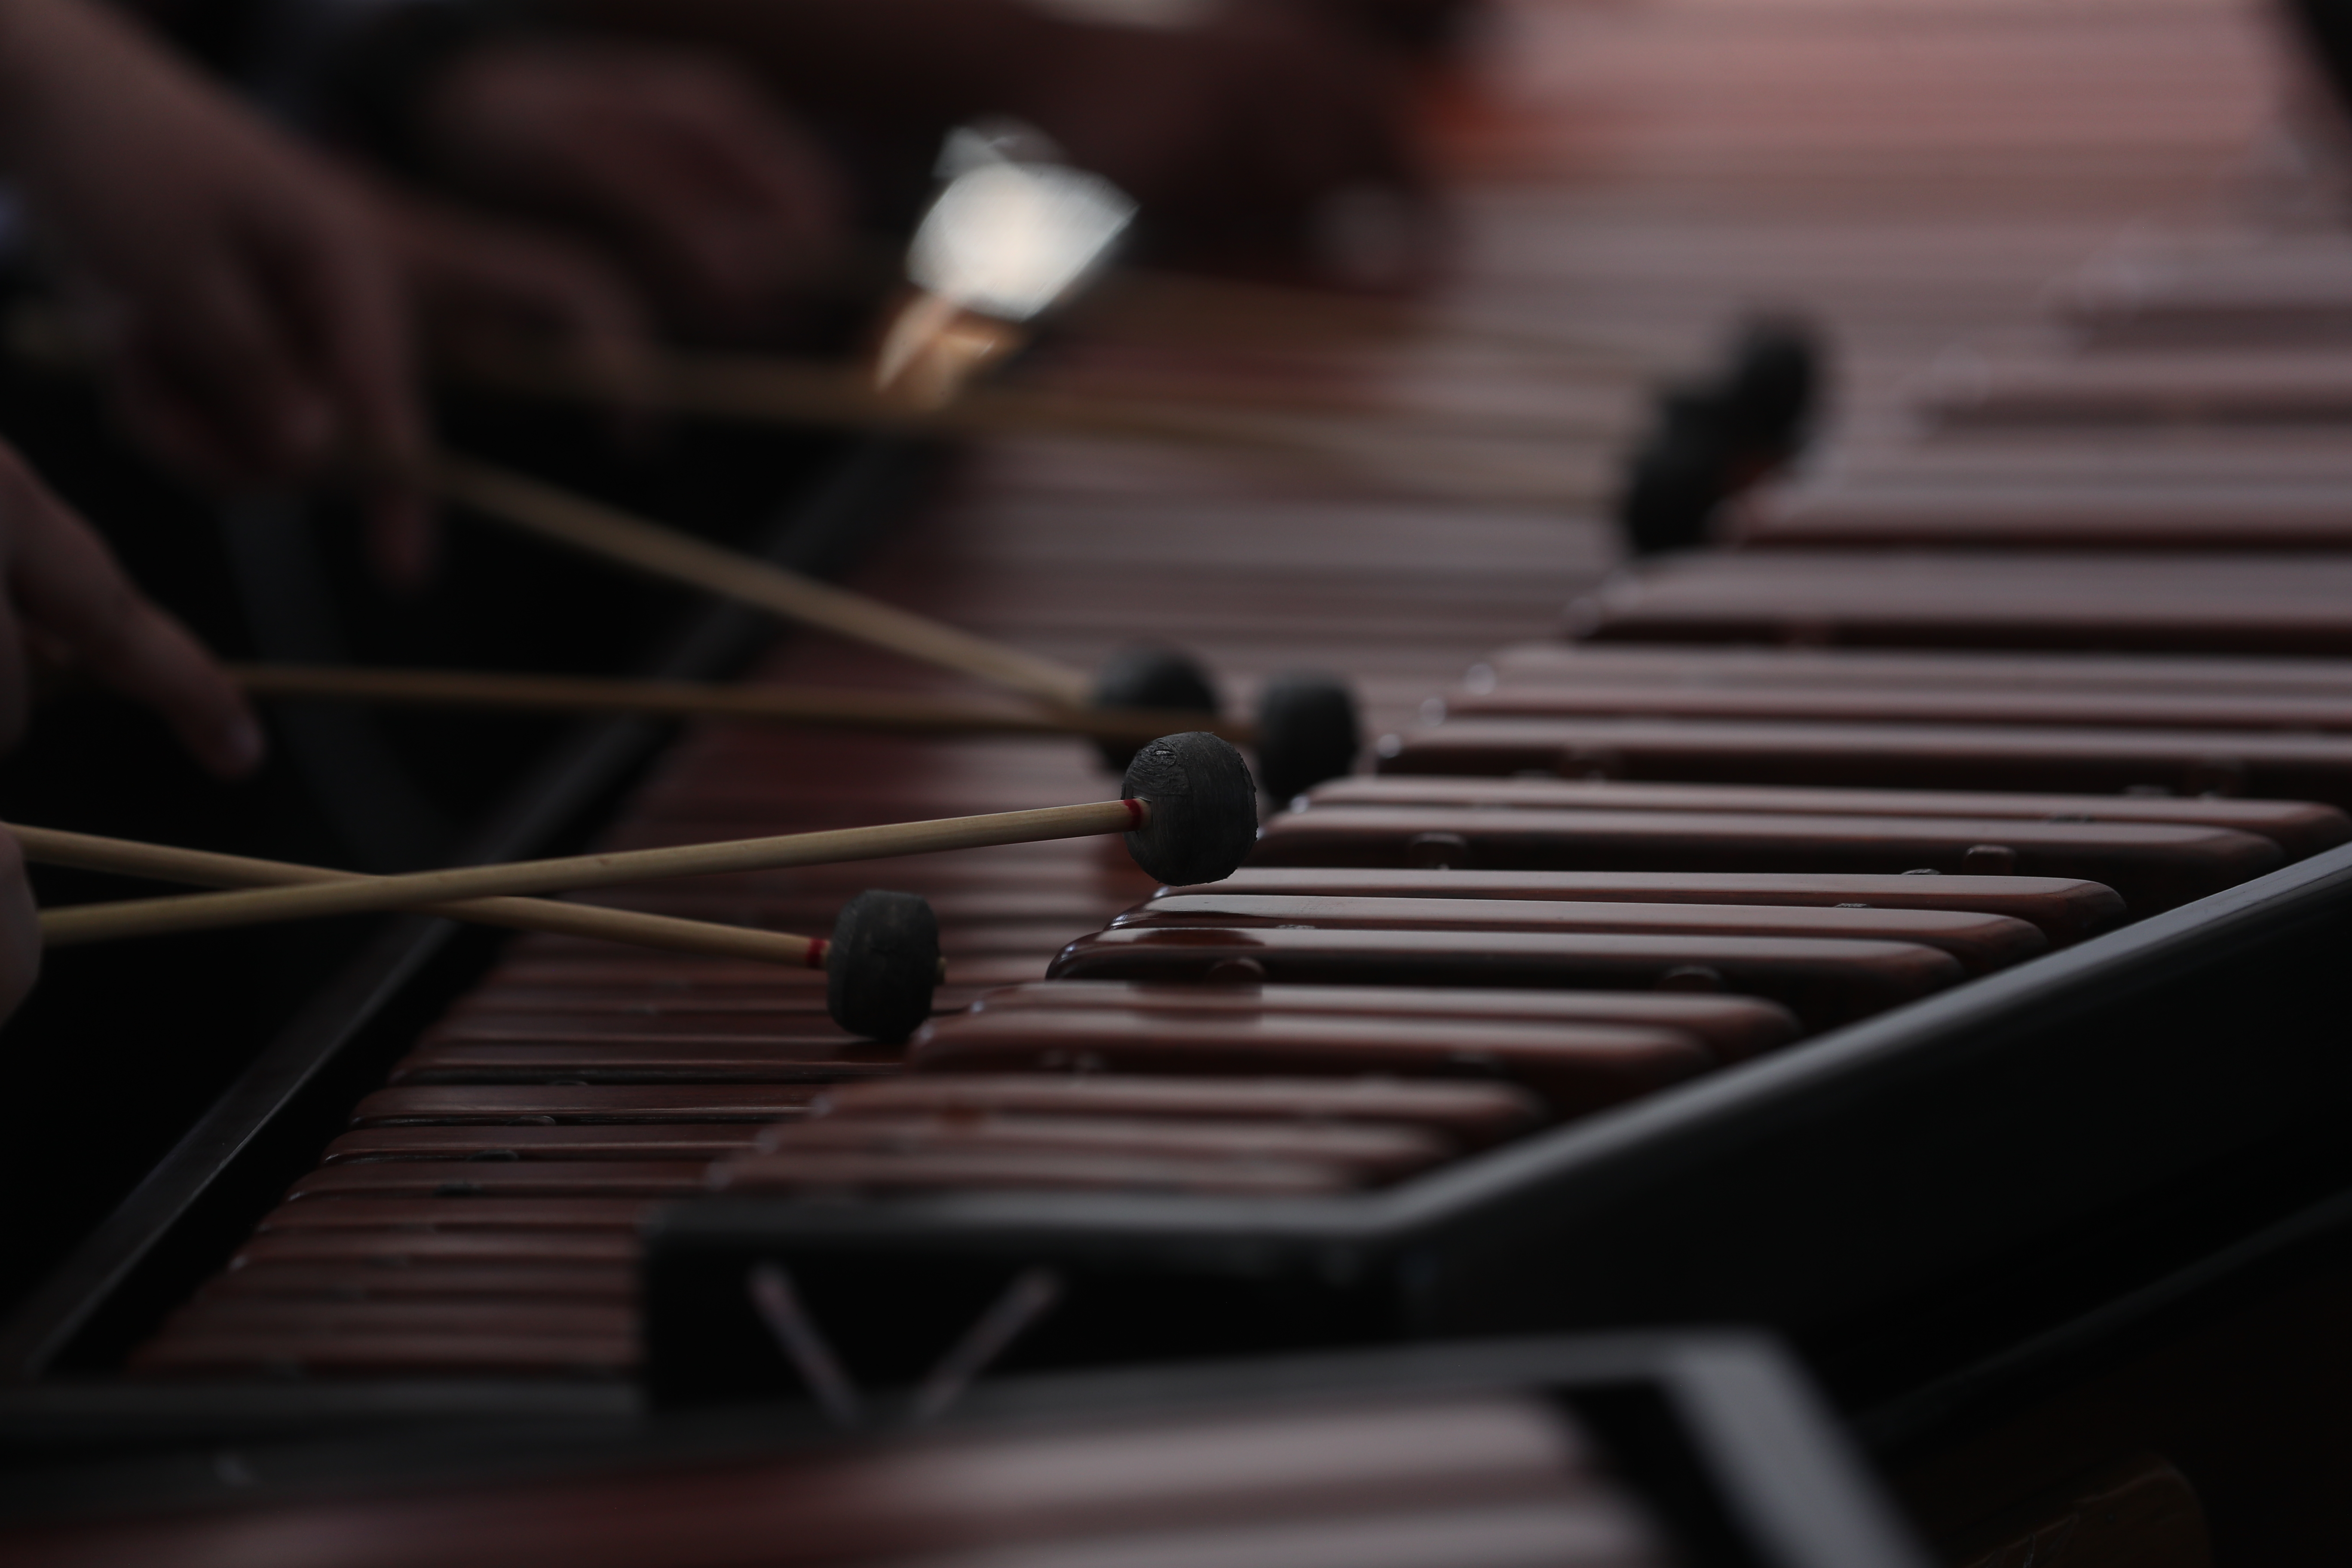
(163,863)
(209,911)
(598,530)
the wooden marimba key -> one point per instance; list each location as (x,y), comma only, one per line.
(2204,602)
(2195,404)
(2278,289)
(1997,503)
(2272,388)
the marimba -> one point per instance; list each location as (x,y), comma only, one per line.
(1839,987)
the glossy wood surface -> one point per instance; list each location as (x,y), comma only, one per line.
(2127,514)
(1465,1113)
(2153,865)
(1926,670)
(1823,981)
(1732,1026)
(1573,1068)
(2106,710)
(2064,910)
(2297,827)
(2034,759)
(2209,602)
(1981,942)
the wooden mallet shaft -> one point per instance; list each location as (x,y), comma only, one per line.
(598,530)
(162,863)
(1468,456)
(427,890)
(830,707)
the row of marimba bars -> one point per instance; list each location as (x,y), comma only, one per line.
(1413,969)
(2182,395)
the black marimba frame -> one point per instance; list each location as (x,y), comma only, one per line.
(1945,1207)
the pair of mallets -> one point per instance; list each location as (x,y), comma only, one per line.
(1306,730)
(1188,810)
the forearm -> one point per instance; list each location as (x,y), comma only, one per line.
(67,67)
(53,52)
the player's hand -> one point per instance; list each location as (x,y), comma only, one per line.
(1263,135)
(480,285)
(65,601)
(679,162)
(253,318)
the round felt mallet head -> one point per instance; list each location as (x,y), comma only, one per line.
(1772,386)
(1151,677)
(1203,818)
(1675,480)
(1306,732)
(882,966)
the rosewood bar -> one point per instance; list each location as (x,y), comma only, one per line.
(2185,603)
(2154,866)
(1573,1068)
(2064,910)
(1988,704)
(1823,981)
(1731,1026)
(1472,1115)
(1981,942)
(1887,755)
(1704,664)
(2119,515)
(2299,827)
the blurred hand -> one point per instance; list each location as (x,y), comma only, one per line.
(1257,136)
(252,319)
(477,285)
(1417,25)
(20,929)
(679,160)
(1236,133)
(65,601)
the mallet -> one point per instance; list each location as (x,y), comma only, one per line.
(1313,722)
(1188,811)
(1306,724)
(882,959)
(1433,453)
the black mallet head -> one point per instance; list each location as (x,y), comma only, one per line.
(882,966)
(1680,474)
(1151,677)
(1203,802)
(1772,388)
(1306,732)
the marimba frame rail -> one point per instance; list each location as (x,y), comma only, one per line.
(2195,1044)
